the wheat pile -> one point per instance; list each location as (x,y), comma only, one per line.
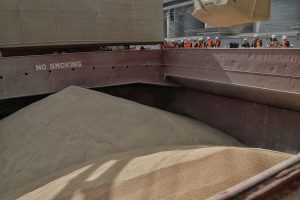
(82,144)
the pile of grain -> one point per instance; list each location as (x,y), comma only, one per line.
(73,139)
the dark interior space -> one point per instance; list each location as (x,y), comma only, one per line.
(251,123)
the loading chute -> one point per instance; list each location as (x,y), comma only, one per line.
(231,12)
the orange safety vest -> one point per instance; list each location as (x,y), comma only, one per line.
(201,44)
(218,43)
(187,45)
(258,43)
(210,43)
(276,44)
(284,44)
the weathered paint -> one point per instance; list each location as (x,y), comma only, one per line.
(72,22)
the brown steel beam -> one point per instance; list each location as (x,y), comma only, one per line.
(33,75)
(278,176)
(267,76)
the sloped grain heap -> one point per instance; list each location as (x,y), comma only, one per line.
(81,144)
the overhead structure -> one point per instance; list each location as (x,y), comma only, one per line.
(30,23)
(231,12)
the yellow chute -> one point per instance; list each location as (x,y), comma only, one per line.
(231,12)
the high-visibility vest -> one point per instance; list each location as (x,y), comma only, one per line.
(276,44)
(201,44)
(218,43)
(187,45)
(258,43)
(284,44)
(210,43)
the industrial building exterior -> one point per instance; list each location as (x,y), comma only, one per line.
(285,19)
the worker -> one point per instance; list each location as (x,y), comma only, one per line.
(273,42)
(245,43)
(210,43)
(285,43)
(203,43)
(187,44)
(184,43)
(181,44)
(190,44)
(197,44)
(200,43)
(218,42)
(257,42)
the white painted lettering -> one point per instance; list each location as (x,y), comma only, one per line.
(59,66)
(41,67)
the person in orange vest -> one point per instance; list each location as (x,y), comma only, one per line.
(199,43)
(285,43)
(210,42)
(273,42)
(187,44)
(190,44)
(218,42)
(257,42)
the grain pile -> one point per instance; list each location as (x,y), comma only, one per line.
(83,144)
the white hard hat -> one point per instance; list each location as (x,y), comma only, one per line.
(201,38)
(217,38)
(208,38)
(273,36)
(255,35)
(284,37)
(245,39)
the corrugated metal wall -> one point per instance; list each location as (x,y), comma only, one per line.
(185,22)
(284,14)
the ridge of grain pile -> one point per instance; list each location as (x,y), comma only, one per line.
(77,125)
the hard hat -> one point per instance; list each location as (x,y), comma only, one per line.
(284,37)
(217,38)
(245,39)
(208,38)
(255,35)
(201,38)
(273,36)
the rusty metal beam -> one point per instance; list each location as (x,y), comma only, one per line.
(255,181)
(267,76)
(33,75)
